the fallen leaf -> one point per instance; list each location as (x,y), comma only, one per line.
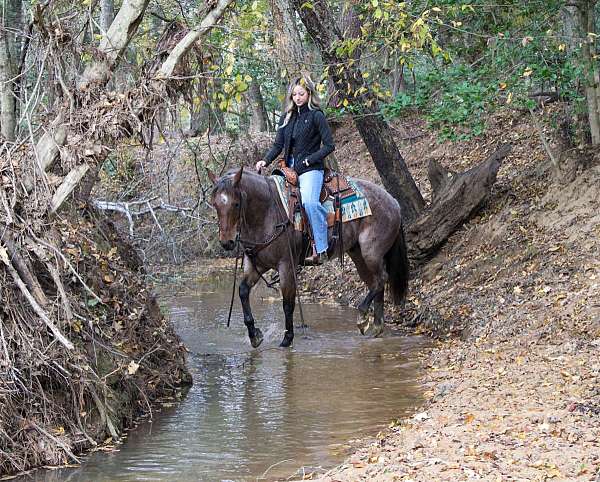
(132,368)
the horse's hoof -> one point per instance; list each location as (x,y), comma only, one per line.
(363,322)
(363,327)
(287,341)
(257,339)
(374,330)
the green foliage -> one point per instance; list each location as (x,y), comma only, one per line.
(454,101)
(501,55)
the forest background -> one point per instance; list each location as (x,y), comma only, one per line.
(106,109)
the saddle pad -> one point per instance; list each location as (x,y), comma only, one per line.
(353,207)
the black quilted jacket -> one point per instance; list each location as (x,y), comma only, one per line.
(301,138)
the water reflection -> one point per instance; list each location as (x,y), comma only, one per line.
(271,409)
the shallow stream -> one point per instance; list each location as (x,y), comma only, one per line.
(262,414)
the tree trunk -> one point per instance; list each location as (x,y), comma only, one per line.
(375,132)
(8,118)
(10,48)
(258,120)
(107,14)
(287,40)
(349,26)
(113,44)
(587,25)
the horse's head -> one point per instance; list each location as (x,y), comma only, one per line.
(227,200)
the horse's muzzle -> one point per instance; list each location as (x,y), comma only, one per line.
(228,245)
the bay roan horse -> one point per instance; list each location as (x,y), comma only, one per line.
(250,210)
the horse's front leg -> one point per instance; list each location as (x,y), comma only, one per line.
(288,291)
(251,276)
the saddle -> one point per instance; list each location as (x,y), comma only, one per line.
(335,186)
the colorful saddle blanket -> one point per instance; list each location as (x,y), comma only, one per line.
(353,207)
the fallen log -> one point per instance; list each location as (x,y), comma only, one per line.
(456,197)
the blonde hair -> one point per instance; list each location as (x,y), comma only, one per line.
(313,97)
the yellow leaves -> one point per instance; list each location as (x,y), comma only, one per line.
(59,430)
(502,85)
(345,103)
(469,417)
(562,47)
(527,72)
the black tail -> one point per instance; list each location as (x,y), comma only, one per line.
(396,263)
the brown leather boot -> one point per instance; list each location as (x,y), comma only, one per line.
(317,259)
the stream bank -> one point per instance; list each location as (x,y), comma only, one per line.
(513,300)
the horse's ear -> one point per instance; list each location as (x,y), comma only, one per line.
(238,177)
(211,176)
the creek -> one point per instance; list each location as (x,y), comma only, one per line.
(262,414)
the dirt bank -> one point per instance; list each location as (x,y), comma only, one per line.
(514,390)
(57,403)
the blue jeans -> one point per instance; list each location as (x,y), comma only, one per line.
(310,190)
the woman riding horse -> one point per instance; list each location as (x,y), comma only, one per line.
(250,213)
(302,130)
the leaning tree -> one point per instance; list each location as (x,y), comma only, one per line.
(455,195)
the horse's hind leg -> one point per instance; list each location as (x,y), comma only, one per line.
(362,321)
(371,271)
(251,276)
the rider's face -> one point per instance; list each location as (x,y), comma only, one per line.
(299,95)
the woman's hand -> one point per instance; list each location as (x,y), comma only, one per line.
(260,165)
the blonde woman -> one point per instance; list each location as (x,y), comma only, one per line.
(305,138)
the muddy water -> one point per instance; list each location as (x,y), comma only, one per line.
(264,413)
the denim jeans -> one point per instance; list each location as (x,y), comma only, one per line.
(310,190)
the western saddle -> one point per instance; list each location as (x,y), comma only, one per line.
(335,187)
